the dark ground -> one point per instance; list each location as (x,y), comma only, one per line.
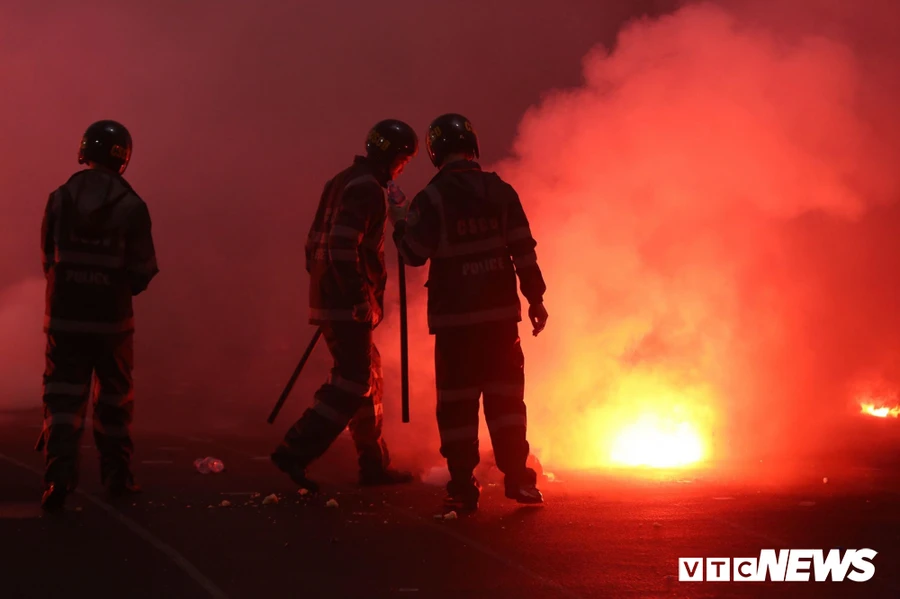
(597,535)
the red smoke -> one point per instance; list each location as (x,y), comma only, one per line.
(716,206)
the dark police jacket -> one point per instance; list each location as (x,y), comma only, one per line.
(345,245)
(97,253)
(472,227)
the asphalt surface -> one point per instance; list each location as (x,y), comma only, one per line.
(598,535)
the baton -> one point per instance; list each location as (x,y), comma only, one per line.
(404,344)
(290,384)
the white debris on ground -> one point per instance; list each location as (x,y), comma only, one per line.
(303,491)
(273,498)
(225,503)
(825,480)
(450,516)
(331,503)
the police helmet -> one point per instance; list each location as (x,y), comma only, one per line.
(107,143)
(450,134)
(389,139)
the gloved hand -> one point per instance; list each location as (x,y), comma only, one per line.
(397,204)
(538,315)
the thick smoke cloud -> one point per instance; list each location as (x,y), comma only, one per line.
(717,209)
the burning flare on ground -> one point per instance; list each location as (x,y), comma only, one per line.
(877,397)
(644,423)
(880,411)
(656,444)
(665,432)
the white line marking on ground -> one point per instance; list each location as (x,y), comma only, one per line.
(170,552)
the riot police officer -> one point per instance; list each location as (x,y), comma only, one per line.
(98,253)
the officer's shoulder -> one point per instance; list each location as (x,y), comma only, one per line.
(70,181)
(361,182)
(429,194)
(57,194)
(500,184)
(130,194)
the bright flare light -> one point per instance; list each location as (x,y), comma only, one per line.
(656,444)
(880,412)
(636,420)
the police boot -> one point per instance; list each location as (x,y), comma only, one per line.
(54,497)
(462,497)
(291,466)
(527,494)
(523,487)
(384,476)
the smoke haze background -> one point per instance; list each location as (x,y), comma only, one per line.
(714,199)
(724,201)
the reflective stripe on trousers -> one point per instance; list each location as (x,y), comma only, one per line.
(506,421)
(115,399)
(458,434)
(73,420)
(58,388)
(361,389)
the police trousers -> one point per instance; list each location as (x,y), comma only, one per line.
(471,362)
(80,367)
(352,396)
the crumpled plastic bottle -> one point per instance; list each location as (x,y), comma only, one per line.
(209,465)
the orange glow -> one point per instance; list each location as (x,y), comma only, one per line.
(880,411)
(652,443)
(642,422)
